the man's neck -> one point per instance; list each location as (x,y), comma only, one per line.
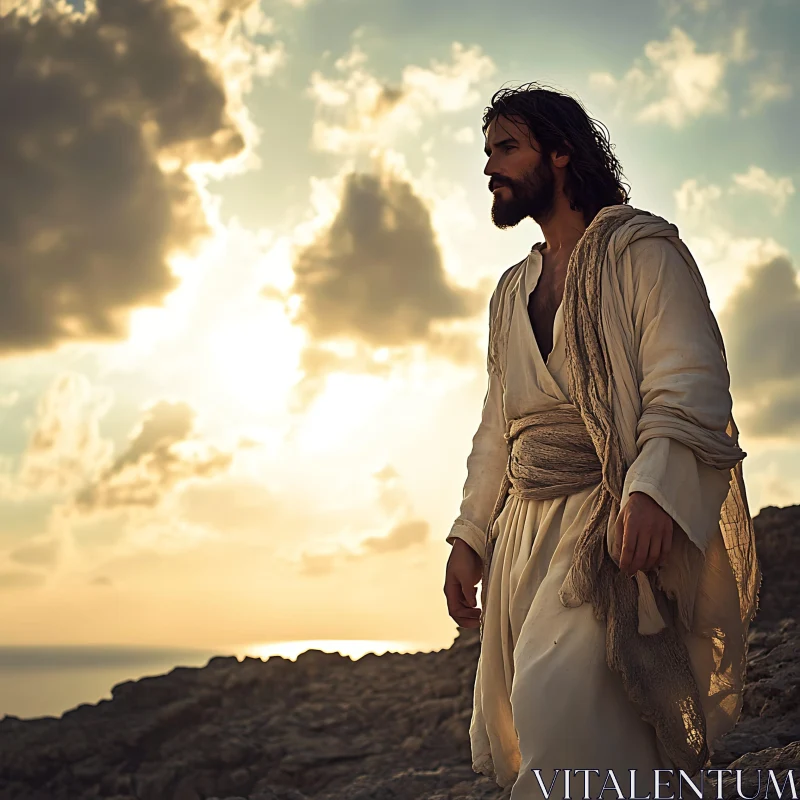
(562,230)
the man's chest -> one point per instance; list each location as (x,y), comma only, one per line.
(543,304)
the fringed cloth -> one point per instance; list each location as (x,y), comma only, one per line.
(576,445)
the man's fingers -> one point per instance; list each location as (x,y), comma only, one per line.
(458,606)
(628,548)
(463,615)
(643,541)
(470,594)
(653,555)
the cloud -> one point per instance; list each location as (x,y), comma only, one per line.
(278,522)
(700,203)
(464,135)
(401,536)
(163,453)
(237,508)
(375,274)
(404,532)
(356,111)
(675,86)
(112,110)
(757,180)
(724,259)
(723,255)
(449,87)
(65,448)
(740,50)
(695,200)
(392,496)
(66,454)
(771,486)
(318,361)
(762,324)
(43,554)
(767,86)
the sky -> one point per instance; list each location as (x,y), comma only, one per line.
(247,253)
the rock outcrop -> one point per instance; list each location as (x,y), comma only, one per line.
(389,727)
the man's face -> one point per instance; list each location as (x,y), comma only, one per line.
(521,179)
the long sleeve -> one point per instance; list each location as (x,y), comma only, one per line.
(691,492)
(486,465)
(680,365)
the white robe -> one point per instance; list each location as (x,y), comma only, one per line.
(544,696)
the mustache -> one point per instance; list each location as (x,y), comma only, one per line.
(493,184)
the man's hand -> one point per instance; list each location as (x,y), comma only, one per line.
(646,533)
(463,572)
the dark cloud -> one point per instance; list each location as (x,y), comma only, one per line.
(162,454)
(389,97)
(461,347)
(375,277)
(762,329)
(101,116)
(376,273)
(779,414)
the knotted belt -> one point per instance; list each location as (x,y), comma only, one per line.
(550,454)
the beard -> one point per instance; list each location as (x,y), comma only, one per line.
(531,196)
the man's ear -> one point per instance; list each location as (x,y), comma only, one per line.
(560,157)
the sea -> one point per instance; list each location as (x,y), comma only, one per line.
(46,681)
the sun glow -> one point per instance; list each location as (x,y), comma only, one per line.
(354,648)
(343,409)
(254,359)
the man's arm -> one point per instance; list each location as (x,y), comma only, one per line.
(487,460)
(486,465)
(680,366)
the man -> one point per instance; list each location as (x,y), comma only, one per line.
(612,537)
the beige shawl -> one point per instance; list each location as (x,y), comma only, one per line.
(594,440)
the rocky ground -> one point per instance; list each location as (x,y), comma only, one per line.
(389,727)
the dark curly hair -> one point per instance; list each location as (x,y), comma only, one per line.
(558,121)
